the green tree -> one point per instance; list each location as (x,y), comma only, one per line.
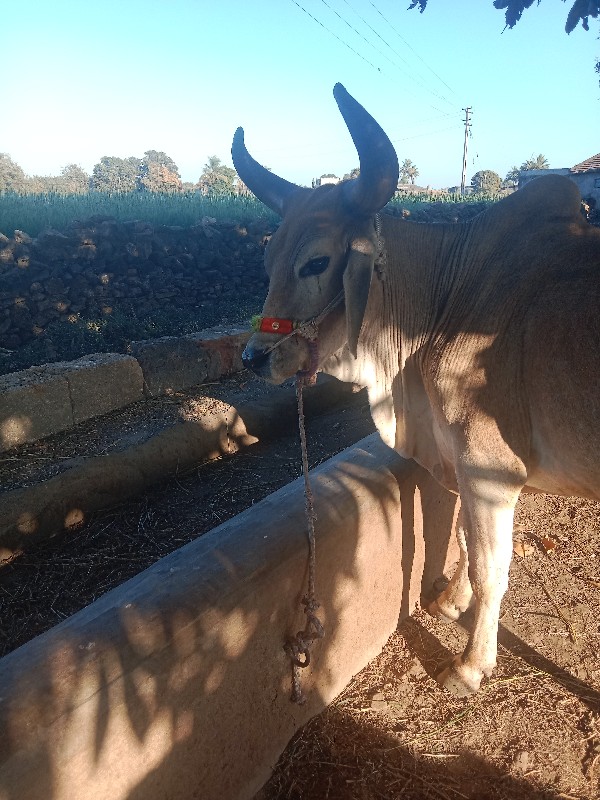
(73,180)
(486,181)
(39,184)
(408,171)
(44,184)
(512,177)
(12,177)
(536,162)
(350,176)
(158,173)
(112,174)
(581,11)
(216,178)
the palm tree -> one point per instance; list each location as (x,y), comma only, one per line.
(408,171)
(536,162)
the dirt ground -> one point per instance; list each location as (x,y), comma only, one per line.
(533,731)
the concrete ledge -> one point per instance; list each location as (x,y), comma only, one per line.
(40,401)
(173,363)
(101,383)
(33,403)
(176,685)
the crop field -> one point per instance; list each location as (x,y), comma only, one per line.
(34,213)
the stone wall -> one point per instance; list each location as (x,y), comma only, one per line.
(94,267)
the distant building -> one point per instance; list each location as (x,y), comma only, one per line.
(585,175)
(324,179)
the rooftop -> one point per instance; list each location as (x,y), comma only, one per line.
(590,163)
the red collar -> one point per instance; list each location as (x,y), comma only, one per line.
(273,325)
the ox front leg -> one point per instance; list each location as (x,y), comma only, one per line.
(487,530)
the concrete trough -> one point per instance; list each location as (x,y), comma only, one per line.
(176,685)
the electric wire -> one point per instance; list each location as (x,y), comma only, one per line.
(353,50)
(399,35)
(381,53)
(429,133)
(399,55)
(335,35)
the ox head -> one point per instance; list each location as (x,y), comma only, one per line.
(320,261)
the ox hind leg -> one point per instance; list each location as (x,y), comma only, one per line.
(487,521)
(458,594)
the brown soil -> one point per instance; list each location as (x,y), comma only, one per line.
(533,731)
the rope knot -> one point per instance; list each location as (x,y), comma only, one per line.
(297,648)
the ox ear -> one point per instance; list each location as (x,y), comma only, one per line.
(357,283)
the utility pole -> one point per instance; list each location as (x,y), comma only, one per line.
(467,121)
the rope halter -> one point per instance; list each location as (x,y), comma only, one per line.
(307,329)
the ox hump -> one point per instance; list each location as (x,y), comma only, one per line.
(550,197)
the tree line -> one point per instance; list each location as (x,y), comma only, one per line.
(155,171)
(486,181)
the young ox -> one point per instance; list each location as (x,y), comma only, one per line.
(479,344)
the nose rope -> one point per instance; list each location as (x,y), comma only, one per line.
(307,329)
(299,645)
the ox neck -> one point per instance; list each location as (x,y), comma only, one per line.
(420,265)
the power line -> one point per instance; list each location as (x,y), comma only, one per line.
(310,152)
(401,57)
(430,133)
(357,32)
(353,50)
(399,35)
(335,35)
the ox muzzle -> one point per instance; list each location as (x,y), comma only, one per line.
(256,359)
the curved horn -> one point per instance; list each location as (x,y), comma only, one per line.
(379,171)
(268,187)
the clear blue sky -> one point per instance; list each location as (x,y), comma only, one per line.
(84,80)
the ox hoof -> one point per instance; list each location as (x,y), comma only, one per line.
(459,679)
(443,612)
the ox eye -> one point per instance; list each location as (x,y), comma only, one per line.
(314,267)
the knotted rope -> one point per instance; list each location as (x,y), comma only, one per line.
(298,647)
